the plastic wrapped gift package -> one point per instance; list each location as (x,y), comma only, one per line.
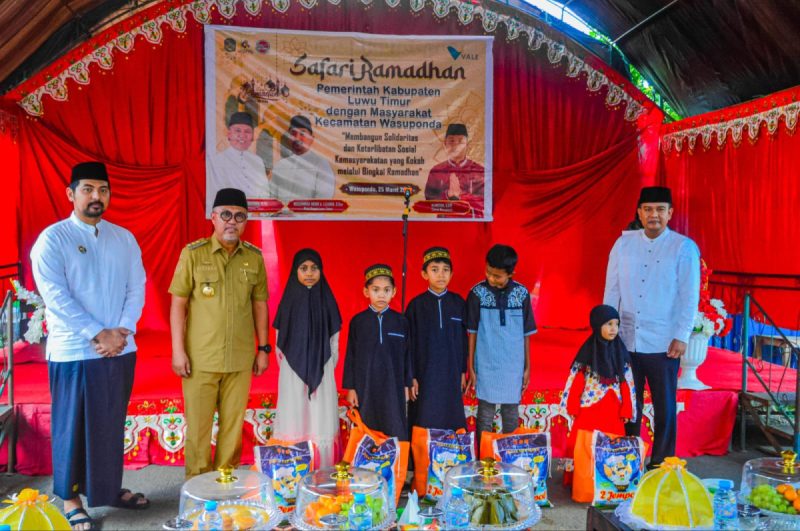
(500,496)
(669,497)
(324,498)
(772,484)
(244,499)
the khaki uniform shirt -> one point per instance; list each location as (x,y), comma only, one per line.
(221,288)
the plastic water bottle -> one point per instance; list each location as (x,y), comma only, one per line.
(360,513)
(210,520)
(725,513)
(456,513)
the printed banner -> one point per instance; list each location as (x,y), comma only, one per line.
(315,125)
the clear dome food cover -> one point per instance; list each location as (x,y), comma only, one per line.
(324,498)
(244,499)
(773,485)
(669,497)
(500,496)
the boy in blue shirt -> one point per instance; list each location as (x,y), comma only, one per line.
(499,322)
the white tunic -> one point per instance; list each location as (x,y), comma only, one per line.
(300,418)
(306,176)
(655,285)
(89,280)
(237,169)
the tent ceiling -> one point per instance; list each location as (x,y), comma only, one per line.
(701,55)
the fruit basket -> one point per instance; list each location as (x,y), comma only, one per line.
(324,498)
(500,496)
(244,499)
(773,485)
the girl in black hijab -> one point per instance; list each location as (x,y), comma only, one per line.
(599,394)
(307,325)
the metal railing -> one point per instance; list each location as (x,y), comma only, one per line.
(790,416)
(7,417)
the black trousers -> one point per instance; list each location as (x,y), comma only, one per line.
(661,374)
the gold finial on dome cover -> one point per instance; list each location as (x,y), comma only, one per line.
(226,475)
(488,469)
(342,471)
(673,463)
(789,464)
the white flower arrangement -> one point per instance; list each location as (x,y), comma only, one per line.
(711,319)
(36,324)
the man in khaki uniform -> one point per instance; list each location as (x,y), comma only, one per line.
(219,299)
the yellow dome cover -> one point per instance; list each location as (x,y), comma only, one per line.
(31,510)
(672,496)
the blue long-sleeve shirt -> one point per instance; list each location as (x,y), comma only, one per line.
(90,278)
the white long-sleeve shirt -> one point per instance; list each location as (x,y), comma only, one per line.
(306,176)
(236,169)
(655,285)
(89,280)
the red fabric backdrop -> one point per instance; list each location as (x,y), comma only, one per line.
(738,203)
(567,169)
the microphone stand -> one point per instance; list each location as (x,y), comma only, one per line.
(406,211)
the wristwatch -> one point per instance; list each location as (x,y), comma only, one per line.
(265,348)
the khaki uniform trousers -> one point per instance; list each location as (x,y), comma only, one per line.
(203,393)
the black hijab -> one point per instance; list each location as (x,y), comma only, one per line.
(306,320)
(606,359)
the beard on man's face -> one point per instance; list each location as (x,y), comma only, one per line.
(94,210)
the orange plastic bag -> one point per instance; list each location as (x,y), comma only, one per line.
(588,486)
(435,452)
(377,451)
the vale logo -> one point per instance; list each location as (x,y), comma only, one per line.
(456,54)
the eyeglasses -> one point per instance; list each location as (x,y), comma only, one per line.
(226,215)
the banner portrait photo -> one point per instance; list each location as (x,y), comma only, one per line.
(314,125)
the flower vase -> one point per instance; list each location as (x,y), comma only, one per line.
(696,352)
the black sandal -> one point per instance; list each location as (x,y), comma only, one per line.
(78,521)
(132,502)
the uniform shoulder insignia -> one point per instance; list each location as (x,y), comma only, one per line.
(199,243)
(251,247)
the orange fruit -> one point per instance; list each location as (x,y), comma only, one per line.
(780,489)
(790,494)
(796,504)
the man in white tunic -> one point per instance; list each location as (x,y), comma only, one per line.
(304,174)
(237,167)
(90,275)
(653,279)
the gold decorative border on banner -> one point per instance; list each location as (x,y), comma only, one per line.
(466,10)
(737,126)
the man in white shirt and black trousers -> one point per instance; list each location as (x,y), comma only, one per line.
(653,279)
(90,274)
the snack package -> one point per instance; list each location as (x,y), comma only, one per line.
(435,452)
(385,458)
(285,463)
(529,451)
(372,449)
(486,444)
(607,469)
